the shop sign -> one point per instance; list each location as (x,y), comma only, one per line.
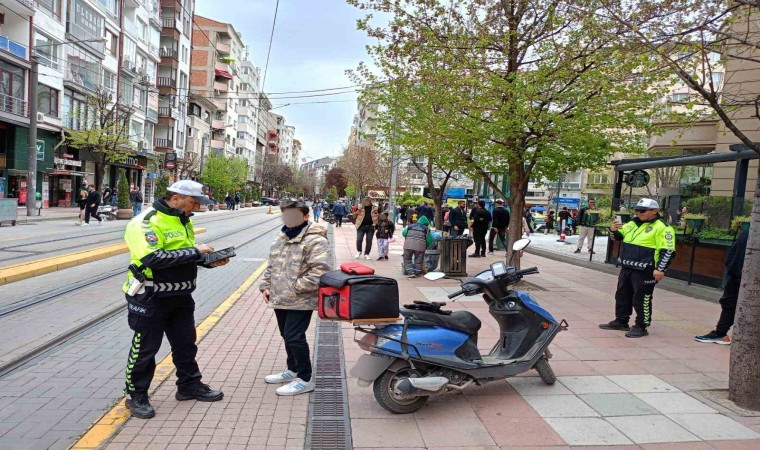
(88,20)
(130,161)
(68,162)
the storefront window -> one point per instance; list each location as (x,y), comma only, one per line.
(47,100)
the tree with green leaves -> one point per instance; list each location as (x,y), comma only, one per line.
(530,87)
(223,174)
(101,129)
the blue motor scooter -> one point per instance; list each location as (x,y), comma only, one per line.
(434,351)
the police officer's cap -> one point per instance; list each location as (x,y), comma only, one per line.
(646,204)
(191,189)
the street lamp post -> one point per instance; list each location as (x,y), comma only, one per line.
(31,170)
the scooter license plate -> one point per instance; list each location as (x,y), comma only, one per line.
(369,367)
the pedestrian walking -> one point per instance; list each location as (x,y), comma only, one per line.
(402,212)
(529,221)
(573,221)
(734,267)
(135,196)
(290,285)
(458,218)
(93,202)
(365,220)
(426,210)
(114,195)
(237,200)
(549,222)
(563,217)
(82,202)
(480,220)
(416,240)
(587,224)
(317,210)
(499,226)
(339,210)
(385,229)
(106,195)
(648,248)
(411,215)
(164,259)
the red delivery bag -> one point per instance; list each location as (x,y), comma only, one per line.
(355,268)
(349,297)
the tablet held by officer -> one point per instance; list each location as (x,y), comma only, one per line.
(648,247)
(164,260)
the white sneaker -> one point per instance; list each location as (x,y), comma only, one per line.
(84,224)
(283,377)
(367,257)
(358,255)
(296,387)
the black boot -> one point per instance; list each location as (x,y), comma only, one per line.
(615,325)
(637,332)
(139,406)
(203,393)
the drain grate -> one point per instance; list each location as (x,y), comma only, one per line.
(329,425)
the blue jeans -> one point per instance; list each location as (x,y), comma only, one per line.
(136,208)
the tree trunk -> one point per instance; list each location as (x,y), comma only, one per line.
(744,378)
(517,189)
(100,175)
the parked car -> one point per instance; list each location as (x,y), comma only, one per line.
(266,201)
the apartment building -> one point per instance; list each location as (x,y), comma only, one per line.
(317,170)
(248,116)
(83,47)
(200,111)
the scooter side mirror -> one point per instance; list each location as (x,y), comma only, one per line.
(520,245)
(433,276)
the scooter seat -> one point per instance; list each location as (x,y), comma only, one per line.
(464,321)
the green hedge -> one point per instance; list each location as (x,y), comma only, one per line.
(717,209)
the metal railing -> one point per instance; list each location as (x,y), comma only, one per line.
(28,3)
(166,81)
(164,143)
(13,47)
(168,53)
(168,22)
(164,111)
(13,105)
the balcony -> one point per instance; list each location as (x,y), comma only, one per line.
(15,106)
(14,48)
(169,22)
(82,76)
(217,143)
(164,111)
(222,66)
(217,124)
(165,144)
(154,51)
(168,53)
(166,82)
(220,103)
(221,86)
(24,8)
(222,48)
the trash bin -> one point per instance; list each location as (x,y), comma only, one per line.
(453,254)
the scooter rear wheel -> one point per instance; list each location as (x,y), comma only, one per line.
(387,396)
(545,371)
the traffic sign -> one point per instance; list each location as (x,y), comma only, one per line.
(171,165)
(40,150)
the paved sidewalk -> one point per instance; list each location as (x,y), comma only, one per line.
(237,353)
(633,393)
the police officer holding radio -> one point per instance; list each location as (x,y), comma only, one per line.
(162,276)
(648,248)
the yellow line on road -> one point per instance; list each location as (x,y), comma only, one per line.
(112,420)
(29,269)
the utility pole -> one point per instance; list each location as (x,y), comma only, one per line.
(203,154)
(31,175)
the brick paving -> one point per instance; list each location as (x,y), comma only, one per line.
(237,353)
(642,393)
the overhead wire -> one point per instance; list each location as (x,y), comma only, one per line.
(269,50)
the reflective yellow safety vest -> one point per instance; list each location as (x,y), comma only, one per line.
(646,244)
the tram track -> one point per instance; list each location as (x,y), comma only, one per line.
(118,307)
(19,248)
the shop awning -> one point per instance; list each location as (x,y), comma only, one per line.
(223,74)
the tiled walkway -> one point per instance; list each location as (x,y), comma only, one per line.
(612,391)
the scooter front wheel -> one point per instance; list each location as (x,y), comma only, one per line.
(390,398)
(545,371)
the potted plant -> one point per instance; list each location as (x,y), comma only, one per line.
(125,209)
(740,223)
(695,221)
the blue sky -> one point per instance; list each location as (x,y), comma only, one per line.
(315,42)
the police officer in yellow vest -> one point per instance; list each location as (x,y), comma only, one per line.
(647,250)
(162,276)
